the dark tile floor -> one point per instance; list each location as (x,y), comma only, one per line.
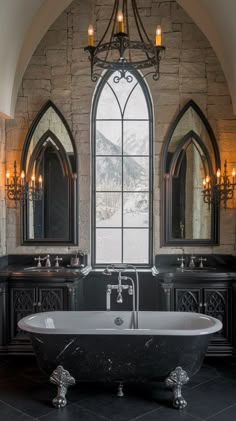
(25,394)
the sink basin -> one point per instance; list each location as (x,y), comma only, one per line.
(195,269)
(36,269)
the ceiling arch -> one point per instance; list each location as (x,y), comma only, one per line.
(22,32)
(216,19)
(23,23)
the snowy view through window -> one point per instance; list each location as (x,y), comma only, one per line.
(122,174)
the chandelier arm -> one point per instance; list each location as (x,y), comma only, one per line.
(114,13)
(138,22)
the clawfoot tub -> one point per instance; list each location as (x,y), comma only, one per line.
(104,346)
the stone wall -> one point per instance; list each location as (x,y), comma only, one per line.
(59,70)
(2,189)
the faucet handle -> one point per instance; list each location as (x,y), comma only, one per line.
(57,259)
(48,263)
(202,259)
(39,261)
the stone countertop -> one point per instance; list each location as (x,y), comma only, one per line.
(61,274)
(173,273)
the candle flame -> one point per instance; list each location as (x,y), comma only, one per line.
(120,16)
(158,30)
(207,179)
(90,30)
(218,173)
(8,174)
(22,174)
(233,172)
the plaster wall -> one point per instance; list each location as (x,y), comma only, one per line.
(59,70)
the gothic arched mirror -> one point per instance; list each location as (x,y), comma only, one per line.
(49,150)
(190,153)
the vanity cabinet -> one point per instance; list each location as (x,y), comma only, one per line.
(26,298)
(214,301)
(209,296)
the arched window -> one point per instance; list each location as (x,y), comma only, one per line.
(122,127)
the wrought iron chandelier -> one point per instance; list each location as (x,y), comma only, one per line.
(20,190)
(118,51)
(220,189)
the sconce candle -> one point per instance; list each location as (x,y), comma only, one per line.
(8,176)
(218,176)
(33,180)
(120,20)
(233,173)
(90,36)
(158,36)
(40,181)
(22,176)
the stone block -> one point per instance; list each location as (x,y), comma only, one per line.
(61,82)
(54,40)
(192,70)
(178,14)
(60,23)
(37,72)
(192,55)
(61,70)
(172,40)
(166,98)
(56,57)
(193,84)
(168,82)
(217,88)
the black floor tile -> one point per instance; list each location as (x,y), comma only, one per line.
(118,409)
(228,414)
(211,397)
(26,394)
(72,413)
(9,413)
(166,414)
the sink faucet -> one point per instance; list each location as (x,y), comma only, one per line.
(48,262)
(120,287)
(39,261)
(191,263)
(201,260)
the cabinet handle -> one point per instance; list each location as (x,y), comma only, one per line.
(39,304)
(200,305)
(34,304)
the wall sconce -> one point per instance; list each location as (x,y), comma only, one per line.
(220,189)
(20,190)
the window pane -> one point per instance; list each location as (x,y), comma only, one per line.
(136,174)
(123,88)
(136,247)
(108,138)
(107,105)
(108,209)
(136,106)
(136,209)
(108,245)
(108,173)
(136,137)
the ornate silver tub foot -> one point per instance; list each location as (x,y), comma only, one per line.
(120,392)
(62,379)
(176,379)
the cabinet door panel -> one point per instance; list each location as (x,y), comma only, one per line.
(217,304)
(188,299)
(22,303)
(50,299)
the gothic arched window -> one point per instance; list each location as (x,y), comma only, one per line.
(122,127)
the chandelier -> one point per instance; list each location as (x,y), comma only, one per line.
(118,51)
(220,189)
(20,190)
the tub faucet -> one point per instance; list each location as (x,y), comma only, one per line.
(130,287)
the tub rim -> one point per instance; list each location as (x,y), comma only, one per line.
(215,326)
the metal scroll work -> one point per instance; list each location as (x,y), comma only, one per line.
(62,379)
(175,381)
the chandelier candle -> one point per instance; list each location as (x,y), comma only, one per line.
(120,20)
(90,36)
(158,36)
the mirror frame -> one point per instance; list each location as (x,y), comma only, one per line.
(167,238)
(73,182)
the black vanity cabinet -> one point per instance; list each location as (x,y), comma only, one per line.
(213,300)
(207,295)
(27,297)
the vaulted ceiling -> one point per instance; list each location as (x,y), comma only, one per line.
(24,22)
